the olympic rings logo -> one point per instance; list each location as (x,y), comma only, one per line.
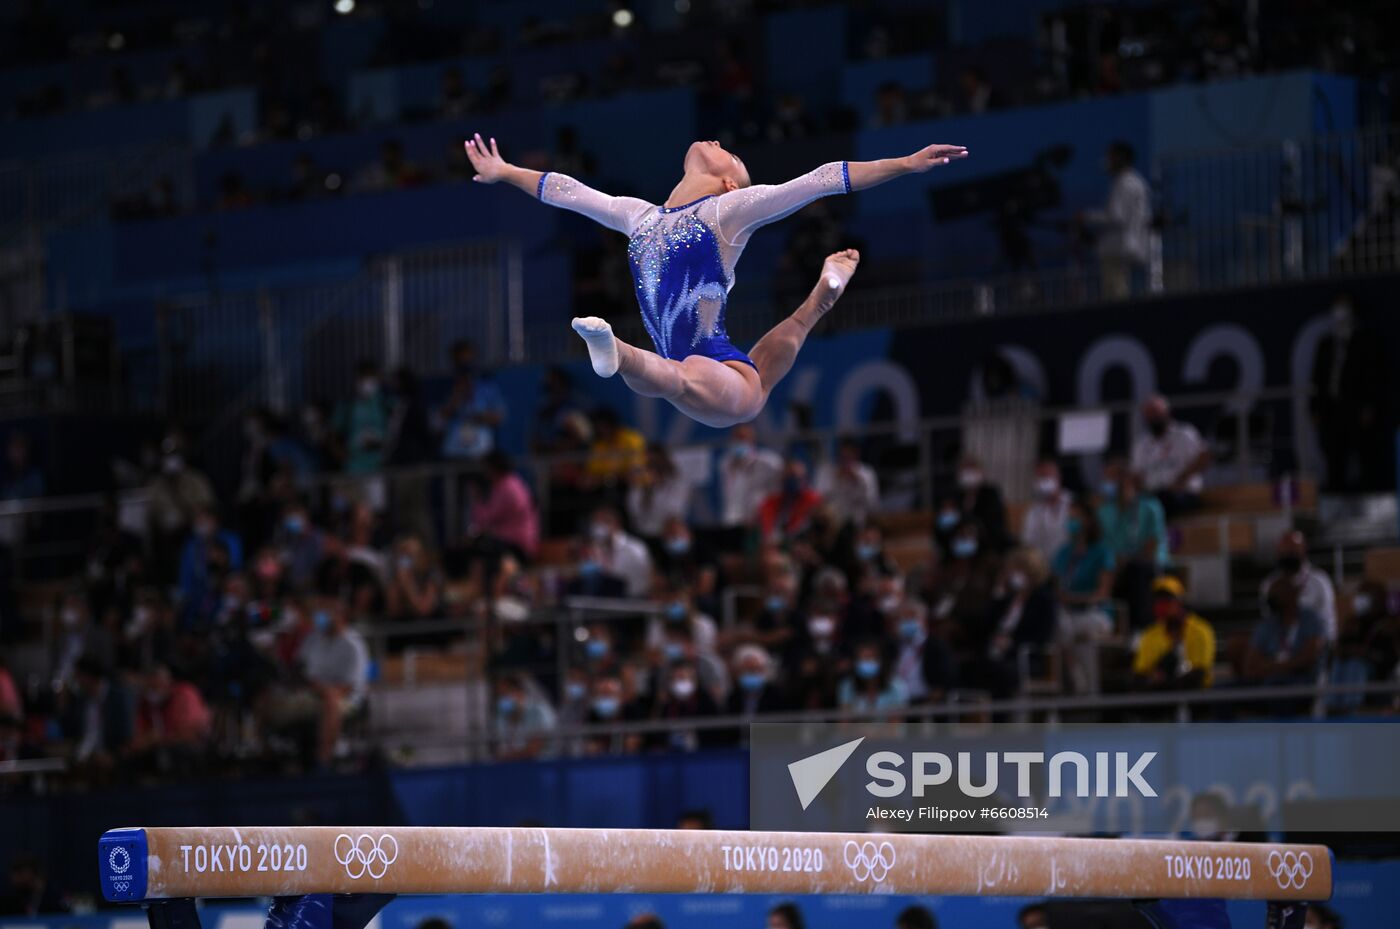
(1291,869)
(366,855)
(869,861)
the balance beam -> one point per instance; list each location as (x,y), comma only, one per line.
(214,861)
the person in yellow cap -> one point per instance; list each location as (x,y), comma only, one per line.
(1177,652)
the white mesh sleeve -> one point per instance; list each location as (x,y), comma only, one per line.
(620,213)
(740,212)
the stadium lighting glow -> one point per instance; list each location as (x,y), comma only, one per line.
(623,18)
(345,7)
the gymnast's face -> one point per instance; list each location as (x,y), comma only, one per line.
(711,159)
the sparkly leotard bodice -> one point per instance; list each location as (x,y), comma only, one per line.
(683,257)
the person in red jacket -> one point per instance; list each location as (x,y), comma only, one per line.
(784,515)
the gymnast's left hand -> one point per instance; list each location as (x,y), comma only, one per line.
(486,160)
(934,155)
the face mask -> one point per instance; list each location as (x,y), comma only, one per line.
(606,707)
(676,611)
(172,464)
(368,388)
(911,629)
(1016,580)
(867,668)
(947,519)
(1109,489)
(867,552)
(1073,525)
(295,524)
(821,626)
(141,618)
(1290,564)
(599,531)
(752,680)
(1158,427)
(596,648)
(405,562)
(678,546)
(775,603)
(71,616)
(964,548)
(1046,486)
(505,704)
(683,688)
(321,620)
(969,478)
(742,449)
(588,568)
(673,651)
(575,690)
(1361,604)
(889,604)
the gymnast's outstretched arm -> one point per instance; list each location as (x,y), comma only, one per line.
(620,213)
(745,210)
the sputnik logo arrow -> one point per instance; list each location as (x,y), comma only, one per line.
(811,774)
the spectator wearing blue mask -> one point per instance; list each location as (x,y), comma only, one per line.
(676,608)
(678,647)
(591,578)
(301,546)
(870,686)
(867,557)
(921,664)
(961,587)
(209,554)
(597,650)
(979,499)
(780,614)
(610,703)
(755,690)
(523,719)
(333,662)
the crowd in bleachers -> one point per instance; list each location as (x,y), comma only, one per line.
(235,628)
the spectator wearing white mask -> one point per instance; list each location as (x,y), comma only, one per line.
(623,555)
(1047,517)
(1172,458)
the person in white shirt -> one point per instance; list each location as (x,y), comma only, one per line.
(1172,458)
(1315,591)
(623,555)
(1046,524)
(748,474)
(848,485)
(658,494)
(1124,226)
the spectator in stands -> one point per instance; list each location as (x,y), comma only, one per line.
(173,724)
(870,686)
(150,636)
(468,419)
(756,691)
(410,442)
(593,578)
(678,645)
(323,448)
(680,699)
(392,171)
(1084,567)
(1136,528)
(617,453)
(1046,517)
(558,402)
(454,99)
(916,917)
(678,609)
(980,500)
(300,546)
(611,703)
(524,718)
(891,106)
(921,662)
(177,493)
(1171,457)
(658,492)
(30,894)
(1316,594)
(1021,618)
(366,564)
(1369,638)
(816,658)
(867,556)
(680,554)
(1177,652)
(362,423)
(77,637)
(960,589)
(619,553)
(748,475)
(334,678)
(22,477)
(1123,228)
(786,916)
(210,553)
(975,94)
(503,518)
(848,485)
(98,715)
(115,559)
(1289,644)
(787,512)
(1350,383)
(416,584)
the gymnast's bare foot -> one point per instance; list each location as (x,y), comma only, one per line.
(836,274)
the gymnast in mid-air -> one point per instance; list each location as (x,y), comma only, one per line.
(683,254)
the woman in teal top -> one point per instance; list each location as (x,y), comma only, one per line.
(1085,564)
(1136,527)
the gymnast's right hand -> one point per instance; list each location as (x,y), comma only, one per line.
(486,160)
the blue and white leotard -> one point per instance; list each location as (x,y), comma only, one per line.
(683,257)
